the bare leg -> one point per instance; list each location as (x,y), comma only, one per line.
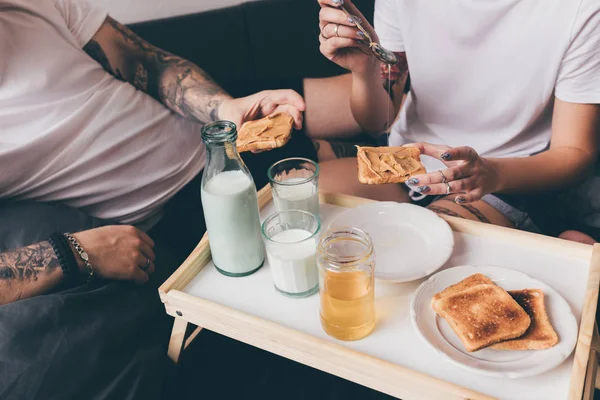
(483,212)
(575,236)
(341,176)
(478,211)
(327,151)
(328,114)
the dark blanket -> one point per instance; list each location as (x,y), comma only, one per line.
(97,341)
(105,340)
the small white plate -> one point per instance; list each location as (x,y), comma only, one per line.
(410,242)
(496,363)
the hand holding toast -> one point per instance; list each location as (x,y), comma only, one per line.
(262,104)
(468,175)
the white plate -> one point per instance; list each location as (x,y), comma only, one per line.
(410,242)
(496,363)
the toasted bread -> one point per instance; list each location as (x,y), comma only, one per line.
(265,134)
(377,165)
(540,334)
(473,280)
(482,315)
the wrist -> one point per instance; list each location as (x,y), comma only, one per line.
(80,264)
(66,258)
(369,71)
(224,109)
(498,183)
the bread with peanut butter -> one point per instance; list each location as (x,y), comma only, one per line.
(265,134)
(378,165)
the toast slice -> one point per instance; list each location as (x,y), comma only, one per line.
(473,280)
(377,165)
(482,315)
(541,334)
(265,134)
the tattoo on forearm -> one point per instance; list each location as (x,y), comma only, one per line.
(95,51)
(444,211)
(180,84)
(391,75)
(478,214)
(27,263)
(141,78)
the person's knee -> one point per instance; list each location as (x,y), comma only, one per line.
(575,236)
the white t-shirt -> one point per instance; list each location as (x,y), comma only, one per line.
(484,73)
(71,132)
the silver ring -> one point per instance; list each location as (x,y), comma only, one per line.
(447,188)
(336,31)
(145,267)
(444,179)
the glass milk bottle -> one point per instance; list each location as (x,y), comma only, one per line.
(230,204)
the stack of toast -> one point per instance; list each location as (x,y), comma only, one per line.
(377,165)
(482,314)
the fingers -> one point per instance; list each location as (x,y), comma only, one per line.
(460,186)
(145,238)
(335,30)
(138,276)
(329,15)
(451,174)
(287,96)
(459,153)
(469,197)
(432,150)
(144,263)
(334,10)
(147,252)
(294,112)
(330,47)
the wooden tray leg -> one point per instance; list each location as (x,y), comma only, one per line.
(177,337)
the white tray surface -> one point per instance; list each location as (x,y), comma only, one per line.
(394,339)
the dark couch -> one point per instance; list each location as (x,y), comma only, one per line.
(250,47)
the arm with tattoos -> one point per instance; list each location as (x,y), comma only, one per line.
(179,84)
(28,272)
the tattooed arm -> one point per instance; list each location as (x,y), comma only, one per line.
(179,84)
(28,271)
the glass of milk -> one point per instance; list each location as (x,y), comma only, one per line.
(230,204)
(291,239)
(295,185)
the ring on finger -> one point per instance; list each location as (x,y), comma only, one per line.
(323,30)
(336,30)
(444,179)
(147,265)
(448,189)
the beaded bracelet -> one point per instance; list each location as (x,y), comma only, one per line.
(65,257)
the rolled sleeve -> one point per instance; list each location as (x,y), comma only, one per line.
(82,18)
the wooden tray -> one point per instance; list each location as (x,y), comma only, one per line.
(356,361)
